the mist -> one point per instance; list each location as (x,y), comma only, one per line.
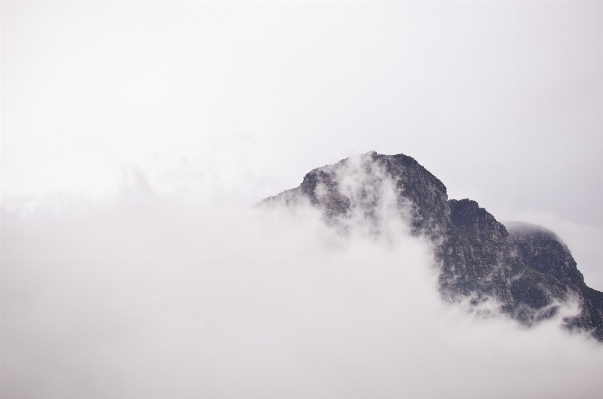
(137,136)
(152,295)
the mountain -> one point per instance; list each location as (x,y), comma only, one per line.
(526,269)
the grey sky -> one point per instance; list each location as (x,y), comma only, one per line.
(121,117)
(500,100)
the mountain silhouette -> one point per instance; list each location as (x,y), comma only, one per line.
(525,269)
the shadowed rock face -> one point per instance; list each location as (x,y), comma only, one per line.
(527,270)
(540,249)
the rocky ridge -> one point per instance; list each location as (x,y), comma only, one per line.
(525,269)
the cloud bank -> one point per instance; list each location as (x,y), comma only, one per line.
(152,295)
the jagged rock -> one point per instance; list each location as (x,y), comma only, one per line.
(541,249)
(528,271)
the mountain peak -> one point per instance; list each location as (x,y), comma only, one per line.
(523,268)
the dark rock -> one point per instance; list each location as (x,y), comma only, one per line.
(527,270)
(540,249)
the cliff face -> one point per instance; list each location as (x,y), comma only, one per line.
(478,261)
(540,249)
(527,270)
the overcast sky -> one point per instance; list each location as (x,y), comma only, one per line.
(233,102)
(500,100)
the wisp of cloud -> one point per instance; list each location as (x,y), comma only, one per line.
(148,295)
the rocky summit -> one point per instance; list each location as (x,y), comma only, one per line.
(526,270)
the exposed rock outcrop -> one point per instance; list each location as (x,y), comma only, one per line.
(527,270)
(540,249)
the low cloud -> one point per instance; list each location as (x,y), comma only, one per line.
(149,295)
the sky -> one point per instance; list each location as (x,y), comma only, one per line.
(118,117)
(500,100)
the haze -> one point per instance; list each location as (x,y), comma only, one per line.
(136,137)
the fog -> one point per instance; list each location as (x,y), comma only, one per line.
(148,296)
(137,136)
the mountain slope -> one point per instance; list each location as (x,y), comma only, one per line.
(528,272)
